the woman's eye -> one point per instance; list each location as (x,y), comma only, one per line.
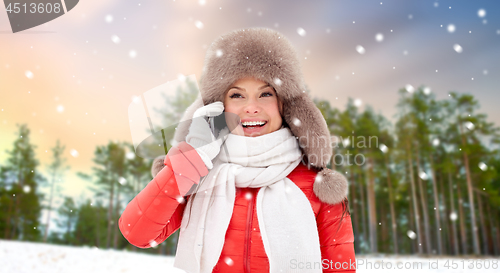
(235,95)
(267,94)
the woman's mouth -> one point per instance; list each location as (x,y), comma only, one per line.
(253,124)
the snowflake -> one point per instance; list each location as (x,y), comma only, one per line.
(122,180)
(409,88)
(423,175)
(435,142)
(29,74)
(296,122)
(383,148)
(451,28)
(469,125)
(360,49)
(301,32)
(108,18)
(199,24)
(481,13)
(115,39)
(453,216)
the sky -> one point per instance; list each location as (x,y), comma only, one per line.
(74,78)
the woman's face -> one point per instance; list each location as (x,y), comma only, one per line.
(257,105)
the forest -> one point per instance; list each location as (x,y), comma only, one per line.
(424,182)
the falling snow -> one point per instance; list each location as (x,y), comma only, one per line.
(248,196)
(60,108)
(301,32)
(115,39)
(423,175)
(451,28)
(136,99)
(360,49)
(229,261)
(29,74)
(130,155)
(108,18)
(409,88)
(469,125)
(122,181)
(457,48)
(482,166)
(411,234)
(453,216)
(199,24)
(481,13)
(132,54)
(435,142)
(379,37)
(153,243)
(383,148)
(358,102)
(296,122)
(74,153)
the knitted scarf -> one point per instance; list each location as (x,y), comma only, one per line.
(286,219)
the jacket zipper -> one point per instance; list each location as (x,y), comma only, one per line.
(248,232)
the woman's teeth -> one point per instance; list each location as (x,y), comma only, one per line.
(253,123)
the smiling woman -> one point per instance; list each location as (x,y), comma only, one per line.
(265,202)
(257,105)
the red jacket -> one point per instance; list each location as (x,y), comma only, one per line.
(156,212)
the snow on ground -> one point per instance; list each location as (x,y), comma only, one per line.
(28,257)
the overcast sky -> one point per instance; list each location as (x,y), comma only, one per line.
(74,77)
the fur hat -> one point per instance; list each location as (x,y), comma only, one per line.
(268,56)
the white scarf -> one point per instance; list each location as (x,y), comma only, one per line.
(286,219)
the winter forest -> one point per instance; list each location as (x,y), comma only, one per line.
(409,90)
(426,184)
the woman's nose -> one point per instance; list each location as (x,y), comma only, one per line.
(252,107)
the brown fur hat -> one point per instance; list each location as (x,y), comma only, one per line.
(268,56)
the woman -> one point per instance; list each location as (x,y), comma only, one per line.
(267,202)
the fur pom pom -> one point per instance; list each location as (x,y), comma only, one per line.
(330,186)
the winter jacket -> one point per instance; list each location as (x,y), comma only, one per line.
(156,212)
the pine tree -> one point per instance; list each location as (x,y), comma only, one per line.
(22,180)
(56,171)
(67,219)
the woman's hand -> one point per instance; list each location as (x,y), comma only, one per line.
(201,137)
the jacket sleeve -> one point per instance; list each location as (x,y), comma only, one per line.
(336,238)
(156,212)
